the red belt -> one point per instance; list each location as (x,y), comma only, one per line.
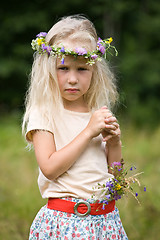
(82,208)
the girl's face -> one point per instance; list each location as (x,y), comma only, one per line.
(74,79)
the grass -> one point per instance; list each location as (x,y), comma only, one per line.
(19,196)
(141,147)
(20,199)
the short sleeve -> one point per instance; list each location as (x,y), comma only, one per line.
(37,122)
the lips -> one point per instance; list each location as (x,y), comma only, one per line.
(72,90)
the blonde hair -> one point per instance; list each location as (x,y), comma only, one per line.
(44,91)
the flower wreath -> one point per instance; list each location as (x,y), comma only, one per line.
(103,47)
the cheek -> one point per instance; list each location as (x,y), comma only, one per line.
(60,81)
(88,80)
(87,85)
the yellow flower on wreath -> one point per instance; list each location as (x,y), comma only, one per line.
(109,40)
(39,41)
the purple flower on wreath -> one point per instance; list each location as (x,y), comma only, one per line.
(100,46)
(136,194)
(43,46)
(94,56)
(81,51)
(144,189)
(62,60)
(48,49)
(41,34)
(62,50)
(102,49)
(99,40)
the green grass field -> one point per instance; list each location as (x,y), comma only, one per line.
(20,198)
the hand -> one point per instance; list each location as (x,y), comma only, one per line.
(114,138)
(112,132)
(97,122)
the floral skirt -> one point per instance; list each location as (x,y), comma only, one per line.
(52,224)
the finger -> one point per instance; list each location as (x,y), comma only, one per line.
(112,132)
(110,127)
(110,119)
(106,111)
(110,135)
(104,107)
(115,132)
(107,138)
(115,124)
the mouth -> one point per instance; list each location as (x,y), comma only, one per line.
(72,90)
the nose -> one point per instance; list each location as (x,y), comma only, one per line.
(72,78)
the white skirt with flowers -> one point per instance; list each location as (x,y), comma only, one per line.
(52,225)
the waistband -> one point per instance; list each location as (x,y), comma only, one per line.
(81,208)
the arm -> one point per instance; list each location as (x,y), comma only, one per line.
(54,163)
(113,142)
(114,152)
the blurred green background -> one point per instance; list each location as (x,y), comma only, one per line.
(134,26)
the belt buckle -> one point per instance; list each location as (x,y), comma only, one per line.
(82,214)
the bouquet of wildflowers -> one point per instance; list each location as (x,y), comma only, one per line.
(119,185)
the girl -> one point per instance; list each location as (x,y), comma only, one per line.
(74,134)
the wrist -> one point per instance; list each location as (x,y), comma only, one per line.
(87,133)
(115,143)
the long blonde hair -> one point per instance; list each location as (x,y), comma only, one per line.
(43,93)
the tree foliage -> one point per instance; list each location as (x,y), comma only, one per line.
(134,25)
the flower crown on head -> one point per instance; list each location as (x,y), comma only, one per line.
(103,47)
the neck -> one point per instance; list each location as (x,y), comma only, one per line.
(76,107)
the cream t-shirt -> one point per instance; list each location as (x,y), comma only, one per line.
(88,170)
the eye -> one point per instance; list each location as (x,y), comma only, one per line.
(63,68)
(82,69)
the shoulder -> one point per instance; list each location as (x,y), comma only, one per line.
(38,121)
